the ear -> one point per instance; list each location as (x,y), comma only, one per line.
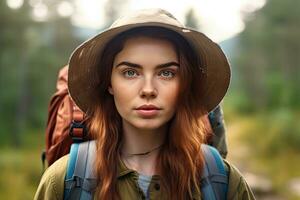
(110,90)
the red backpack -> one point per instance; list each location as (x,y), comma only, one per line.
(65,123)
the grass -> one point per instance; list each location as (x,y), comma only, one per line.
(268,144)
(21,169)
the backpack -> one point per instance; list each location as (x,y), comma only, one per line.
(65,124)
(80,181)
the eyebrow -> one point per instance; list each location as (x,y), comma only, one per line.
(168,64)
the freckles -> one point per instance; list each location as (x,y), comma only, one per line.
(121,93)
(127,87)
(172,87)
(170,93)
(124,92)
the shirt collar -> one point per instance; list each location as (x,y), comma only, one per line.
(123,170)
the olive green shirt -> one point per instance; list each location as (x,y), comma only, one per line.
(52,184)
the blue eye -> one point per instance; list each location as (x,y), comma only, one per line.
(130,73)
(167,74)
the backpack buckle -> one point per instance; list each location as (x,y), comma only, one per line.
(77,131)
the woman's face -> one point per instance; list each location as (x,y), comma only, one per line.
(145,82)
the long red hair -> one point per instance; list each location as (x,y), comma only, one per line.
(180,160)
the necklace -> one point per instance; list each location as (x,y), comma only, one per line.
(141,154)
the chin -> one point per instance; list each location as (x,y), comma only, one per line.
(148,125)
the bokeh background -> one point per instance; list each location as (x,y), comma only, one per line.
(261,39)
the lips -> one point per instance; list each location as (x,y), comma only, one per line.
(148,107)
(148,111)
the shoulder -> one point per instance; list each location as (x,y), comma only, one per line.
(51,185)
(238,189)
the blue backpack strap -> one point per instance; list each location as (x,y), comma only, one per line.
(214,179)
(80,180)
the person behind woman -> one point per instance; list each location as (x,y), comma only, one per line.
(145,84)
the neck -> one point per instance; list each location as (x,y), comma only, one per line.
(137,141)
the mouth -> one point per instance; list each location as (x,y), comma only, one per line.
(148,111)
(148,107)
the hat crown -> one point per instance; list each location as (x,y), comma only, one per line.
(146,16)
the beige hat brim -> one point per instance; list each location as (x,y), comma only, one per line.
(83,64)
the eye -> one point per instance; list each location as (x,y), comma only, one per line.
(167,74)
(130,73)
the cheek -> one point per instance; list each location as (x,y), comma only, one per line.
(170,94)
(123,94)
(121,102)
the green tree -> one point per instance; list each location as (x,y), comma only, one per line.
(30,55)
(268,62)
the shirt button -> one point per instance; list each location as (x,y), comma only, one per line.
(156,186)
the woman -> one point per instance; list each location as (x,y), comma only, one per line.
(145,84)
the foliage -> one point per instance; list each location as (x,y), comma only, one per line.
(31,54)
(266,145)
(273,133)
(21,169)
(267,61)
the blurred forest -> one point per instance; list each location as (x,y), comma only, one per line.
(262,107)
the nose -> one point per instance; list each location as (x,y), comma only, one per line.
(148,89)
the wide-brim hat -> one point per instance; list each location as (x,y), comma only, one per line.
(84,61)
